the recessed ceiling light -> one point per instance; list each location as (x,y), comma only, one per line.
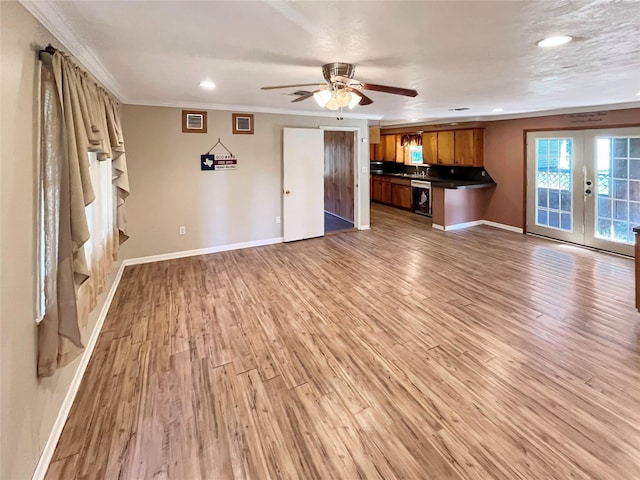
(638,93)
(554,41)
(207,85)
(415,119)
(496,110)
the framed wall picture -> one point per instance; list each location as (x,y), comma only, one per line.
(194,121)
(243,123)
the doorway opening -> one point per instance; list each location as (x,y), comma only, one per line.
(339,184)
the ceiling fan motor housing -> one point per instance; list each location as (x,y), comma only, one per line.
(337,69)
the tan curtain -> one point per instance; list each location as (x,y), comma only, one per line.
(60,319)
(78,117)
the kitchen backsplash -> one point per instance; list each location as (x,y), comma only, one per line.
(477,174)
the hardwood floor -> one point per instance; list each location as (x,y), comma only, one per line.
(399,352)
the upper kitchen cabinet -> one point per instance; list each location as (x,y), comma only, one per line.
(401,152)
(385,150)
(389,147)
(430,147)
(469,147)
(445,148)
(453,147)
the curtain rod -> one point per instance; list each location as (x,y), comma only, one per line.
(50,49)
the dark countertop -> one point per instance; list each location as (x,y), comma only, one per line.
(437,182)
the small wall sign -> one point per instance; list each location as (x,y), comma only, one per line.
(243,123)
(218,161)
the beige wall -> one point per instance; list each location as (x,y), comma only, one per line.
(504,157)
(217,207)
(29,406)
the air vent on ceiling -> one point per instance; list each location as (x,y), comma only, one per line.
(459,109)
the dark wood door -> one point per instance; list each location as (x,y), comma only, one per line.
(339,156)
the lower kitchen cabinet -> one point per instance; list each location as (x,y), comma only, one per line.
(401,195)
(392,191)
(381,189)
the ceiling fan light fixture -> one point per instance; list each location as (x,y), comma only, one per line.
(343,98)
(355,100)
(322,97)
(332,104)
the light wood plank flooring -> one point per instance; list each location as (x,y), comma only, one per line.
(399,352)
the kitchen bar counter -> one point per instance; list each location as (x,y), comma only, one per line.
(437,182)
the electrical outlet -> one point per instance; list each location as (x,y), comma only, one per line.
(452,170)
(484,173)
(277,219)
(183,230)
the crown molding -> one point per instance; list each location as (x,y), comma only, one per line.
(514,116)
(47,13)
(253,109)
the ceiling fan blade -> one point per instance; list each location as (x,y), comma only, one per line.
(293,86)
(407,92)
(365,100)
(304,97)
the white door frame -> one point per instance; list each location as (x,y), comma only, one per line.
(356,170)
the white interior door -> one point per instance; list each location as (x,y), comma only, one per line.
(303,184)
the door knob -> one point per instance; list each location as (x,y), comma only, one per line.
(287,192)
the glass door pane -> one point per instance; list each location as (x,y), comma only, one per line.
(554,209)
(614,209)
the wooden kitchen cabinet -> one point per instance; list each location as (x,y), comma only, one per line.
(389,147)
(377,151)
(401,152)
(430,148)
(401,196)
(469,147)
(454,147)
(446,144)
(381,189)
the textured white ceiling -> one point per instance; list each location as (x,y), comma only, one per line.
(475,54)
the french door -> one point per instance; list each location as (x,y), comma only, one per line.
(584,187)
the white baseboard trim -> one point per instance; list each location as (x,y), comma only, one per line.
(202,251)
(65,408)
(364,227)
(459,226)
(503,226)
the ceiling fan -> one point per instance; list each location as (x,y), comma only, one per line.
(341,89)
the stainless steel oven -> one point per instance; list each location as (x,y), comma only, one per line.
(421,197)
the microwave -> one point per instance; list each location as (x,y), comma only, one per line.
(376,167)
